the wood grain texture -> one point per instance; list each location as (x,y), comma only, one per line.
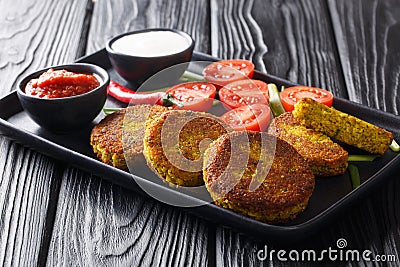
(29,43)
(28,186)
(289,39)
(29,181)
(111,18)
(298,44)
(100,224)
(367,34)
(371,224)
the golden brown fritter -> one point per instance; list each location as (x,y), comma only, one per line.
(174,144)
(122,133)
(283,189)
(342,126)
(324,157)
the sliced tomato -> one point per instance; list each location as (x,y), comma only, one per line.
(195,96)
(244,92)
(251,118)
(226,71)
(290,96)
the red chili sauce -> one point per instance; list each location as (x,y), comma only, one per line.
(61,83)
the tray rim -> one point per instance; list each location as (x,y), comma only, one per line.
(240,222)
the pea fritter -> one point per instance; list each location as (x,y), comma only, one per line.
(122,133)
(324,157)
(174,144)
(342,126)
(273,186)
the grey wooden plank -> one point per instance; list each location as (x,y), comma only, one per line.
(370,224)
(295,40)
(367,35)
(100,224)
(114,17)
(35,34)
(289,39)
(29,181)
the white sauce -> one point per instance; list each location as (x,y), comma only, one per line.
(151,44)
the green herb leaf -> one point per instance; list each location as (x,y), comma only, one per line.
(394,146)
(275,100)
(108,111)
(362,157)
(168,100)
(191,77)
(354,176)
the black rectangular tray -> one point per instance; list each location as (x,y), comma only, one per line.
(331,195)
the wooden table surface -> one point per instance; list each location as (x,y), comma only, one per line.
(53,214)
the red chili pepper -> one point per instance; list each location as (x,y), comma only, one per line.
(126,95)
(119,92)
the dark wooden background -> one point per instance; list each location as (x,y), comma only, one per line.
(52,214)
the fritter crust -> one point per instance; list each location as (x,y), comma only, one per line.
(342,126)
(324,157)
(129,123)
(174,144)
(284,190)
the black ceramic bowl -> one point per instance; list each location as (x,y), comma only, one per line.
(136,68)
(67,113)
